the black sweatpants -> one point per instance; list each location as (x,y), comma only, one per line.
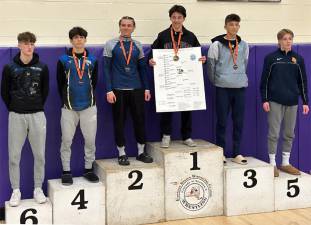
(186,124)
(134,100)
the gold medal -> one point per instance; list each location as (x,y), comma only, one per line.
(176,58)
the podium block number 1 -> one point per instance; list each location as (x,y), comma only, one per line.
(139,176)
(82,203)
(194,161)
(24,218)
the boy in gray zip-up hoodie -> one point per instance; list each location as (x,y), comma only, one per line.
(227,64)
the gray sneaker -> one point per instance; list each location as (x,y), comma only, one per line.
(166,139)
(189,142)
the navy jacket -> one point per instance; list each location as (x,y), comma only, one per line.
(284,78)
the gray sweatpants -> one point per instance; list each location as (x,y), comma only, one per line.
(88,125)
(278,114)
(32,125)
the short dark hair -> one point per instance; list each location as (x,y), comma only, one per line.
(77,31)
(177,8)
(232,17)
(127,18)
(26,37)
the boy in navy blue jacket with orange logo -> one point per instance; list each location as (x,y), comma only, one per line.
(283,80)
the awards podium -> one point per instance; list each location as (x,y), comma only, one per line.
(182,182)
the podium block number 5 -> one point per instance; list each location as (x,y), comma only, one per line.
(291,185)
(81,203)
(250,174)
(139,177)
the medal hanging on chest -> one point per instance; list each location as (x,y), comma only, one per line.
(80,72)
(176,48)
(234,51)
(127,58)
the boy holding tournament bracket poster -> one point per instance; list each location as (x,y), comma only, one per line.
(227,63)
(175,37)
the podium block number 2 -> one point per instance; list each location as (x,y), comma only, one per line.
(251,175)
(80,200)
(139,176)
(24,218)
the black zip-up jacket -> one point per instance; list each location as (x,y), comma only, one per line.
(25,87)
(164,41)
(284,78)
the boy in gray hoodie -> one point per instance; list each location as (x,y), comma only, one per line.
(227,64)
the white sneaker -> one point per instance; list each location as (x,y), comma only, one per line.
(166,139)
(189,142)
(15,198)
(39,196)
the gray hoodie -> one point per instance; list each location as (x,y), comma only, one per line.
(220,64)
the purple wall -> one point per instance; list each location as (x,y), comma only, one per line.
(254,137)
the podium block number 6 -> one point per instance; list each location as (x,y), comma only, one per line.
(139,177)
(250,174)
(291,185)
(24,218)
(81,203)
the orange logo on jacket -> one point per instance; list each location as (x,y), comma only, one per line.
(294,60)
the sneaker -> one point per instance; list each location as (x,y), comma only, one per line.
(90,176)
(67,178)
(15,198)
(276,172)
(290,169)
(166,139)
(123,160)
(39,196)
(189,142)
(144,158)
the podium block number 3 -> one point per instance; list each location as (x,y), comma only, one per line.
(194,161)
(139,177)
(251,175)
(24,218)
(80,200)
(291,185)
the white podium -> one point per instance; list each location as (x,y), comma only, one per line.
(292,192)
(193,179)
(80,203)
(134,193)
(29,212)
(248,188)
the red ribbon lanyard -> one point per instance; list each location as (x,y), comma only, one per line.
(80,72)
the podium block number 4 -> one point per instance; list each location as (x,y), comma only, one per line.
(139,176)
(81,203)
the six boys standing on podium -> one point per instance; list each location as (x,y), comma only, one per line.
(175,37)
(283,80)
(76,79)
(24,90)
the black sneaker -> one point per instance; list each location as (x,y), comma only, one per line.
(67,178)
(90,176)
(123,160)
(144,158)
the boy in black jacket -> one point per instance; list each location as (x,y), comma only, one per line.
(283,80)
(24,89)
